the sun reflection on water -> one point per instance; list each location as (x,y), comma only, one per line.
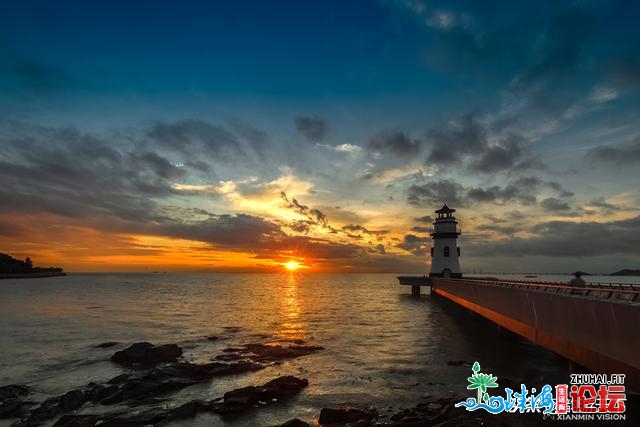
(292,327)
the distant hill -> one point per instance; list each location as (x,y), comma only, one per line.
(11,267)
(626,272)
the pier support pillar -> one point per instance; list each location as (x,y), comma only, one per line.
(415,290)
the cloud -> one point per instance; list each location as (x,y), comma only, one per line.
(523,190)
(552,204)
(198,137)
(348,148)
(427,219)
(418,246)
(568,239)
(395,143)
(315,215)
(622,155)
(602,94)
(435,192)
(313,129)
(476,143)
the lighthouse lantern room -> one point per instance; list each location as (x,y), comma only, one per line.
(445,252)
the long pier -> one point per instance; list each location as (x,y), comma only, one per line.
(596,326)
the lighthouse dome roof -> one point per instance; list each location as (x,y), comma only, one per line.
(445,209)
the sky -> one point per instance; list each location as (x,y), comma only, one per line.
(242,135)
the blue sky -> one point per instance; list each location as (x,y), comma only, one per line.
(524,115)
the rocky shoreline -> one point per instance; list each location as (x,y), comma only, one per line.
(141,396)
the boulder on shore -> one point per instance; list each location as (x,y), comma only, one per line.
(144,353)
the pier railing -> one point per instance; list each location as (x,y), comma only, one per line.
(608,291)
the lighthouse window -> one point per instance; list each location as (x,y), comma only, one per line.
(432,252)
(446,251)
(458,250)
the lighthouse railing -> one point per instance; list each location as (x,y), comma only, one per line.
(630,294)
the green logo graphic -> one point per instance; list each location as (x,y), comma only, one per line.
(481,382)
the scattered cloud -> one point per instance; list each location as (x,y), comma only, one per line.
(314,129)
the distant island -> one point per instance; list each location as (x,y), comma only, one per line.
(11,268)
(626,272)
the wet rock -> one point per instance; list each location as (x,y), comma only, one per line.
(13,408)
(48,409)
(455,362)
(278,388)
(77,421)
(13,391)
(212,338)
(345,415)
(189,409)
(228,357)
(294,423)
(72,400)
(107,344)
(144,388)
(144,353)
(267,353)
(97,392)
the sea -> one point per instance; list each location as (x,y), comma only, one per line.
(382,347)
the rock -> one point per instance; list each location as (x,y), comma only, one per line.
(266,353)
(72,400)
(144,353)
(48,409)
(294,423)
(12,391)
(345,415)
(107,344)
(433,407)
(13,408)
(278,388)
(212,338)
(77,421)
(455,362)
(189,409)
(97,392)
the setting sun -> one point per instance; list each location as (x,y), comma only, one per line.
(292,265)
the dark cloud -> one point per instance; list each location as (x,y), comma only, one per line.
(466,141)
(395,143)
(312,128)
(428,219)
(601,203)
(523,190)
(197,135)
(258,139)
(499,157)
(623,155)
(315,215)
(569,239)
(552,204)
(503,229)
(421,229)
(418,246)
(434,193)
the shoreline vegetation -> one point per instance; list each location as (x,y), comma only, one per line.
(12,268)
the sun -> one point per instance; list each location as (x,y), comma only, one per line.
(292,265)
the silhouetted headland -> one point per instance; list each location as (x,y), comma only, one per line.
(11,268)
(626,272)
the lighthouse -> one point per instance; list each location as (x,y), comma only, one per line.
(445,252)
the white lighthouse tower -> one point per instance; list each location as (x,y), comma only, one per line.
(445,251)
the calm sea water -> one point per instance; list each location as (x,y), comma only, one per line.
(383,347)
